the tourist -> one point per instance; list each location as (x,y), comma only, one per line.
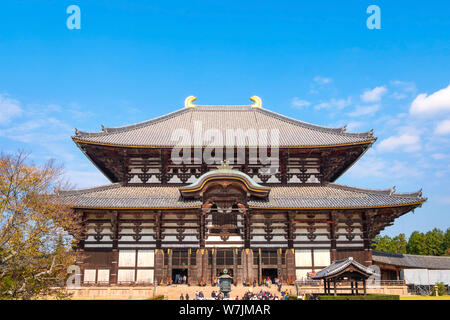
(184,279)
(213,294)
(181,297)
(187,296)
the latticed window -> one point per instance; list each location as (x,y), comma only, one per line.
(269,257)
(224,218)
(180,257)
(224,257)
(239,257)
(255,257)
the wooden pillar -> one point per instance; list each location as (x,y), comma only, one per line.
(351,284)
(364,286)
(199,257)
(366,239)
(169,264)
(356,285)
(247,229)
(259,266)
(202,228)
(235,267)
(213,264)
(290,229)
(114,266)
(248,273)
(159,265)
(324,286)
(333,223)
(279,265)
(334,286)
(115,222)
(189,270)
(158,229)
(290,265)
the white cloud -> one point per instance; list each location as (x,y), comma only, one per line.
(374,166)
(364,111)
(322,80)
(297,102)
(373,95)
(406,142)
(9,108)
(443,127)
(437,102)
(353,126)
(334,103)
(403,89)
(438,156)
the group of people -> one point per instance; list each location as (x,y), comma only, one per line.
(264,295)
(261,295)
(198,295)
(179,279)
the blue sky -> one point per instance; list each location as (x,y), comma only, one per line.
(312,60)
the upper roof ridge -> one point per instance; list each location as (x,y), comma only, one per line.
(107,130)
(222,108)
(390,191)
(340,130)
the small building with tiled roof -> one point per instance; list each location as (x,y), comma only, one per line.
(206,188)
(413,269)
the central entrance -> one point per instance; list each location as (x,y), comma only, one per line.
(178,276)
(270,273)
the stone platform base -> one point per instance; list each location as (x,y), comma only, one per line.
(173,292)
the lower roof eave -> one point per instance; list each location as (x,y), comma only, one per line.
(250,207)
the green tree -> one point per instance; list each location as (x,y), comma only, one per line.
(383,243)
(399,243)
(446,243)
(434,242)
(416,243)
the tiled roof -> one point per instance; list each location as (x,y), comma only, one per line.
(334,196)
(411,260)
(158,132)
(290,196)
(338,266)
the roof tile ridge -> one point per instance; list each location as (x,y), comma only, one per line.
(359,189)
(338,131)
(423,256)
(109,130)
(389,192)
(89,189)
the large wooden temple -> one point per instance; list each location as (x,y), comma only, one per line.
(160,220)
